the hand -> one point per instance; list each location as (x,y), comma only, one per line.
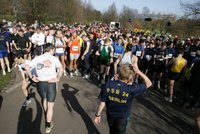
(97,120)
(116,76)
(8,50)
(83,57)
(35,79)
(53,80)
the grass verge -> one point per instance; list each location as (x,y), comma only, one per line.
(5,80)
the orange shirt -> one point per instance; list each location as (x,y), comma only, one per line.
(75,46)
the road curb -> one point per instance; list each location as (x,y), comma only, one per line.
(11,86)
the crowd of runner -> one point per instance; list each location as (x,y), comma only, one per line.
(93,50)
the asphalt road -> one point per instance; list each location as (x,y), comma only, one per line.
(75,107)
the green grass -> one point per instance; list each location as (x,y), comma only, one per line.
(5,80)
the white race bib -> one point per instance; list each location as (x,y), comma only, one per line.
(75,48)
(148,57)
(193,54)
(138,53)
(170,55)
(116,55)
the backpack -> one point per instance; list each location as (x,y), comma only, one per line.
(55,40)
(105,53)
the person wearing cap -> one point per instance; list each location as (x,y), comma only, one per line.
(49,71)
(117,97)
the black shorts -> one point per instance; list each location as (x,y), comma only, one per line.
(38,50)
(105,62)
(159,67)
(47,91)
(173,75)
(22,52)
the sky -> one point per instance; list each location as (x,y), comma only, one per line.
(162,6)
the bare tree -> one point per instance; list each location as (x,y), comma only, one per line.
(191,9)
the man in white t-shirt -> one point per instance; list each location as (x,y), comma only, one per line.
(21,63)
(38,40)
(48,70)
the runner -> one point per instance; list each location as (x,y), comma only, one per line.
(38,41)
(117,96)
(22,44)
(86,48)
(178,64)
(21,62)
(106,58)
(60,46)
(47,77)
(127,59)
(74,53)
(4,50)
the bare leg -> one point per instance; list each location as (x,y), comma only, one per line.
(24,88)
(7,63)
(2,66)
(49,115)
(171,88)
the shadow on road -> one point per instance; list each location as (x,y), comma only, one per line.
(26,124)
(171,117)
(73,104)
(1,101)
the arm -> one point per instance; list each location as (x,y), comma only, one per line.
(147,81)
(87,49)
(60,72)
(7,45)
(64,42)
(30,45)
(32,77)
(171,62)
(97,119)
(135,60)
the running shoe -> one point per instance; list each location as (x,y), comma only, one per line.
(169,99)
(65,74)
(71,75)
(25,104)
(76,73)
(4,72)
(9,70)
(48,129)
(86,76)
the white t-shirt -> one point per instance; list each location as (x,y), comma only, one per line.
(22,66)
(38,38)
(45,65)
(49,39)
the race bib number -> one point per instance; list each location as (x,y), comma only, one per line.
(170,55)
(193,54)
(116,55)
(75,48)
(148,57)
(138,53)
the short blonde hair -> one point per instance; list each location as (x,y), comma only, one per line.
(126,73)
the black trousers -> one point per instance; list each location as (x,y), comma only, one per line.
(117,125)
